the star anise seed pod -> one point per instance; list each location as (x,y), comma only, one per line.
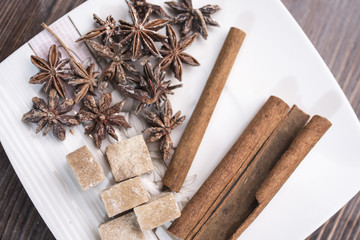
(107,27)
(101,116)
(162,125)
(142,6)
(191,18)
(85,82)
(173,54)
(118,57)
(51,114)
(151,88)
(52,72)
(141,34)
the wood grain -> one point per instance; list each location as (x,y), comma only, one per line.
(331,25)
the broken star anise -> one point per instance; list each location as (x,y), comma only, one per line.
(101,116)
(141,34)
(107,27)
(51,114)
(52,72)
(173,55)
(118,57)
(191,18)
(142,6)
(151,88)
(162,125)
(85,82)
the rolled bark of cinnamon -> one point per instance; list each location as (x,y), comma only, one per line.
(186,150)
(227,214)
(289,161)
(236,160)
(299,148)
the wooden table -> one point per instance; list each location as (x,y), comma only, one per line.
(332,26)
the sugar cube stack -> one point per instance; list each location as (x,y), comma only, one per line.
(157,212)
(123,196)
(125,227)
(86,169)
(129,158)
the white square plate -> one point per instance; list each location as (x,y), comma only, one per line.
(275,59)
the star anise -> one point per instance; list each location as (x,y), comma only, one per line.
(173,54)
(117,65)
(85,82)
(101,116)
(151,89)
(51,114)
(107,27)
(162,125)
(52,72)
(141,34)
(142,7)
(192,18)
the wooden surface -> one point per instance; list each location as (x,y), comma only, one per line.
(331,25)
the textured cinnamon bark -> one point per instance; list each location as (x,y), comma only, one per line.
(236,160)
(186,150)
(240,201)
(297,151)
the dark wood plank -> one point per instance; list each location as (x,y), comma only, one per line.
(332,26)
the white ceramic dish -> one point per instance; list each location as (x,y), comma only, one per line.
(276,59)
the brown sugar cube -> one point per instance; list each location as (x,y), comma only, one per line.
(87,170)
(157,212)
(123,196)
(125,228)
(129,158)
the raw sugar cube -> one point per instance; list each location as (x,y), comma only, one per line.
(87,170)
(123,196)
(157,212)
(125,228)
(129,158)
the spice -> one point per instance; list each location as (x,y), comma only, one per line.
(193,19)
(240,154)
(108,28)
(237,201)
(118,56)
(173,55)
(141,34)
(52,72)
(162,125)
(151,88)
(51,114)
(142,7)
(101,117)
(305,140)
(190,141)
(85,82)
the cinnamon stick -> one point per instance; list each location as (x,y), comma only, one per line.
(289,161)
(236,160)
(297,151)
(227,215)
(186,150)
